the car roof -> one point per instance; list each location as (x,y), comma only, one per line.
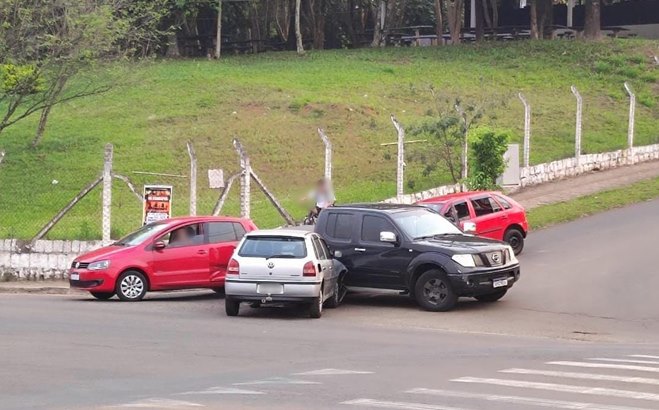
(457,195)
(296,233)
(380,207)
(180,219)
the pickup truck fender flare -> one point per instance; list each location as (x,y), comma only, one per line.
(426,261)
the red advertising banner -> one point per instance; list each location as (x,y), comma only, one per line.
(157,203)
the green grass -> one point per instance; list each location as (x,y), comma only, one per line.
(552,214)
(274,102)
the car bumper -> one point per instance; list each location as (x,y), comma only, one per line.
(482,282)
(289,291)
(97,281)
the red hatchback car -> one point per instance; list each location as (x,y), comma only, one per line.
(178,253)
(495,215)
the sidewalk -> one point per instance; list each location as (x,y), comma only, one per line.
(586,184)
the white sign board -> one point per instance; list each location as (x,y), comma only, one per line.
(511,175)
(216,178)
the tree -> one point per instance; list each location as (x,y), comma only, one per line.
(298,31)
(46,43)
(439,20)
(533,13)
(592,26)
(454,12)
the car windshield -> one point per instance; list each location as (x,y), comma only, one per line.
(424,223)
(142,234)
(273,247)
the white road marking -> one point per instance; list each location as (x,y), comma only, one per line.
(644,356)
(397,405)
(158,404)
(607,366)
(585,376)
(276,380)
(529,401)
(604,359)
(330,372)
(565,388)
(223,390)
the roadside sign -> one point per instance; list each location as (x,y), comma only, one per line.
(216,178)
(157,203)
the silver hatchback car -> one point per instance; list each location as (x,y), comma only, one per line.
(283,265)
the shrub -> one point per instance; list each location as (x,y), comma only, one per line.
(486,157)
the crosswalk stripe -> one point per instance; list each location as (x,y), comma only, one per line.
(644,356)
(276,380)
(604,359)
(596,391)
(331,372)
(397,405)
(585,376)
(222,390)
(530,401)
(158,404)
(606,366)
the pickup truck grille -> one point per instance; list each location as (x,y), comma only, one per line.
(496,258)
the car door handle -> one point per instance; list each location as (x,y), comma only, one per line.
(360,250)
(201,252)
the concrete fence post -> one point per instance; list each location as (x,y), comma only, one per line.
(527,129)
(328,154)
(193,178)
(577,134)
(400,170)
(630,129)
(106,222)
(245,178)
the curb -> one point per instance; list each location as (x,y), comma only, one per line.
(14,288)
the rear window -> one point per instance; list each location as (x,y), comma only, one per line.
(273,247)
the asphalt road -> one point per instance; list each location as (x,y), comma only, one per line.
(579,331)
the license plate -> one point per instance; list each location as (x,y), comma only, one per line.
(74,276)
(499,283)
(270,288)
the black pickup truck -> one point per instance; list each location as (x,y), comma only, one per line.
(414,249)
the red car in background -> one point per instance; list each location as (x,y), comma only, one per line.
(495,215)
(177,253)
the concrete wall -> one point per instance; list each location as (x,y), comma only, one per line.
(48,259)
(554,170)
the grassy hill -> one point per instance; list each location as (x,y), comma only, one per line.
(274,103)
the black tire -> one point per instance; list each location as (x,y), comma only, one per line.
(131,286)
(491,297)
(102,295)
(232,307)
(316,306)
(336,298)
(434,292)
(515,238)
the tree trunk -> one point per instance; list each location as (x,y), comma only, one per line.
(455,9)
(439,21)
(534,19)
(379,17)
(592,26)
(43,119)
(485,13)
(218,36)
(495,13)
(298,31)
(480,11)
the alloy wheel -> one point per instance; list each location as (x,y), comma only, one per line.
(132,286)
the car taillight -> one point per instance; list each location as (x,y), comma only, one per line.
(309,269)
(233,268)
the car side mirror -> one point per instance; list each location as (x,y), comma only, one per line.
(469,227)
(338,254)
(159,245)
(389,237)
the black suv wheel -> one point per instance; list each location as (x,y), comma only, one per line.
(434,292)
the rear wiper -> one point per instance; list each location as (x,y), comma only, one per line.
(280,256)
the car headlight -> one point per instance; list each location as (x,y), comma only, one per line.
(100,265)
(511,255)
(465,260)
